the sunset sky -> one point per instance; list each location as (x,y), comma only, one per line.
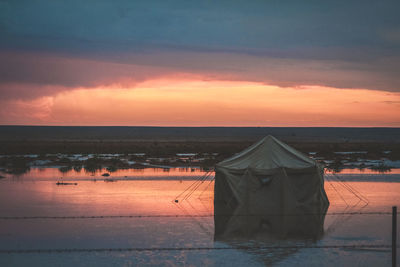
(200,63)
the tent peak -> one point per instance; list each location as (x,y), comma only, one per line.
(268,153)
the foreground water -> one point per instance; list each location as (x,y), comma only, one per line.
(148,196)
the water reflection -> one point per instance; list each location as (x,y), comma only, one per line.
(140,197)
(21,171)
(259,232)
(18,170)
(79,173)
(77,168)
(16,166)
(269,226)
(65,169)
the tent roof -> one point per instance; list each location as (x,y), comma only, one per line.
(268,153)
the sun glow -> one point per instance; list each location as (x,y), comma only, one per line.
(196,102)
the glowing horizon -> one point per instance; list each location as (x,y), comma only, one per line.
(196,102)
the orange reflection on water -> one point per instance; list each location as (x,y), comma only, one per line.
(153,191)
(148,173)
(105,198)
(141,197)
(185,173)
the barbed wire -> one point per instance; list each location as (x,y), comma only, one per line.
(133,249)
(189,216)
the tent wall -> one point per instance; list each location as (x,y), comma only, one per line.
(280,202)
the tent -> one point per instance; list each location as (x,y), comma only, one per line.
(269,190)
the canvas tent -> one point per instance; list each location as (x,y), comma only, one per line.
(269,189)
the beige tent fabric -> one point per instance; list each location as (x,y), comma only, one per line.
(268,153)
(269,189)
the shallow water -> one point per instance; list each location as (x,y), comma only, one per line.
(48,173)
(37,194)
(168,173)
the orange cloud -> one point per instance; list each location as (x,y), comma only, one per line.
(195,102)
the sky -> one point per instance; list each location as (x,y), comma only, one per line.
(200,63)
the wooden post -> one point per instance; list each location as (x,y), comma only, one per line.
(394,234)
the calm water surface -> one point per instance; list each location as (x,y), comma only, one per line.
(152,192)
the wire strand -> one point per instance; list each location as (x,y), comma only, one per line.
(133,249)
(188,215)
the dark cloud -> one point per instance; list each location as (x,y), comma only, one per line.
(30,75)
(337,43)
(42,68)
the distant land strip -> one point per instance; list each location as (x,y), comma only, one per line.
(217,134)
(164,141)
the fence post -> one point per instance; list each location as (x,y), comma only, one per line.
(394,234)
